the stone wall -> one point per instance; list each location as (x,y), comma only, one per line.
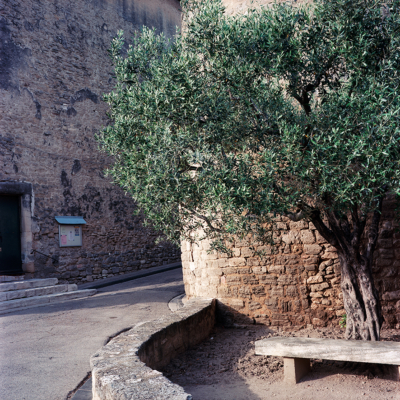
(297,282)
(54,68)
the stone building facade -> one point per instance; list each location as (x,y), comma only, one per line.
(54,68)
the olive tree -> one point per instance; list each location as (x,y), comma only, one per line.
(287,110)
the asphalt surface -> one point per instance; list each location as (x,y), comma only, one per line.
(45,351)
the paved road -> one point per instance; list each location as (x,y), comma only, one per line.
(45,351)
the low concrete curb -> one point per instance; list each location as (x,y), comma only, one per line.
(38,301)
(142,273)
(125,368)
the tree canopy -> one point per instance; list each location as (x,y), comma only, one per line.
(287,110)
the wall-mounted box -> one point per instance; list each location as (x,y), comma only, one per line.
(70,231)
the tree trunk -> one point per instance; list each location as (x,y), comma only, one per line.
(360,298)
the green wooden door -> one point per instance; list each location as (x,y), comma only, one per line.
(10,236)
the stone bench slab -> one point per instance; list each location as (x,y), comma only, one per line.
(330,349)
(297,352)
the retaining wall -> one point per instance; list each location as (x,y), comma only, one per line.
(297,282)
(126,368)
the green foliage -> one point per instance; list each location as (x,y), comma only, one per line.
(343,321)
(285,109)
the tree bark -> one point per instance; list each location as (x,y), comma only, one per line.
(361,299)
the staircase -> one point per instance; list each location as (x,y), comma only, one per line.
(19,295)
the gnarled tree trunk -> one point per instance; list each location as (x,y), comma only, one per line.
(360,297)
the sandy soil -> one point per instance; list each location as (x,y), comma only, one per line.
(224,367)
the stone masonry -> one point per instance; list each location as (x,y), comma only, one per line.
(54,68)
(296,282)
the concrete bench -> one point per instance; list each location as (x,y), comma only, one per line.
(297,352)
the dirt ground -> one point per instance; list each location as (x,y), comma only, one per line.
(224,367)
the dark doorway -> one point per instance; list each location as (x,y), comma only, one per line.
(10,236)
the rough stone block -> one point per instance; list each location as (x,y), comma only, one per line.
(307,237)
(291,291)
(214,280)
(298,225)
(233,280)
(230,270)
(315,279)
(276,269)
(237,304)
(312,267)
(258,270)
(276,291)
(253,261)
(244,270)
(291,237)
(272,303)
(268,279)
(235,262)
(254,305)
(312,249)
(206,256)
(305,303)
(244,292)
(281,225)
(246,252)
(258,290)
(319,287)
(318,322)
(214,271)
(315,295)
(286,280)
(265,249)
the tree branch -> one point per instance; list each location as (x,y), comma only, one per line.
(358,227)
(325,232)
(374,227)
(206,220)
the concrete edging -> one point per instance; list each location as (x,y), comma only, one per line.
(141,273)
(126,367)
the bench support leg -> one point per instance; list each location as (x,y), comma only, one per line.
(397,373)
(295,369)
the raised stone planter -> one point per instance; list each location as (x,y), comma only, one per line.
(126,368)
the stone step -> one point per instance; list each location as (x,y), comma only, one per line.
(39,291)
(28,284)
(29,302)
(11,278)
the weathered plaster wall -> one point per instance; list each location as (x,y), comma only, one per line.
(297,282)
(54,68)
